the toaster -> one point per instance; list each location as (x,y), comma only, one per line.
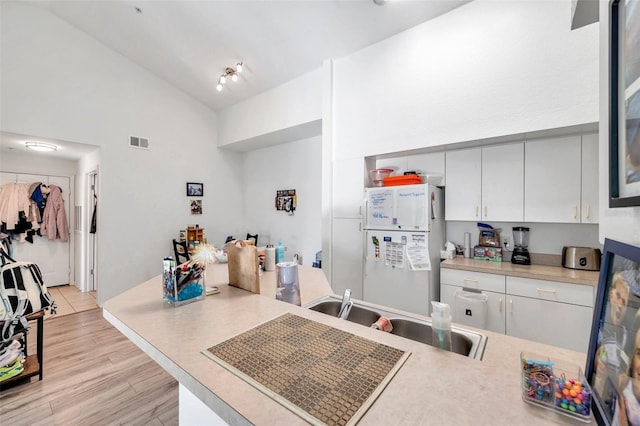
(586,258)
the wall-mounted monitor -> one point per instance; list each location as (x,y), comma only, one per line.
(613,358)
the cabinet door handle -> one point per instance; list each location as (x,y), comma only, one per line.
(500,305)
(485,211)
(511,306)
(470,280)
(575,212)
(588,211)
(477,207)
(547,290)
(360,227)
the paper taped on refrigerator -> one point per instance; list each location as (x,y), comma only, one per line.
(418,253)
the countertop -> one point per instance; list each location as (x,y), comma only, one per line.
(540,272)
(432,387)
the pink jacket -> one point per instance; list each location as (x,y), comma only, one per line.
(54,218)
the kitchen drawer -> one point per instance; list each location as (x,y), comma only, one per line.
(470,279)
(575,294)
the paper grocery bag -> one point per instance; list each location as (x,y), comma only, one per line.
(243,266)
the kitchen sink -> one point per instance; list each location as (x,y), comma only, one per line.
(358,314)
(464,342)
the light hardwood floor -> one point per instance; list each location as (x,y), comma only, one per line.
(70,300)
(93,375)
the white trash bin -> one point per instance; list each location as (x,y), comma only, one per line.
(470,309)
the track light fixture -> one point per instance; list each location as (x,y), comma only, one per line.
(229,73)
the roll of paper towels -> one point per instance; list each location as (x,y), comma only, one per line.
(467,244)
(270,258)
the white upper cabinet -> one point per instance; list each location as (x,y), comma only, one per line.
(552,175)
(589,211)
(464,184)
(503,182)
(348,187)
(485,183)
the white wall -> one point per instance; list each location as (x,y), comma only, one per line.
(19,162)
(546,238)
(57,82)
(294,165)
(622,224)
(483,70)
(292,104)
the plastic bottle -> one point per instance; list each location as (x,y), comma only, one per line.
(441,326)
(279,252)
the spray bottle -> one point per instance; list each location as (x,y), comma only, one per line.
(441,326)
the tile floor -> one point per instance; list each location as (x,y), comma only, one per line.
(70,300)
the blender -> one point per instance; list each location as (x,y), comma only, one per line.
(520,255)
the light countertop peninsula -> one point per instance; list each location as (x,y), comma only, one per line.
(540,272)
(432,387)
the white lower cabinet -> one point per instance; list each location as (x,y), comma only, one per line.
(495,307)
(553,323)
(491,285)
(554,313)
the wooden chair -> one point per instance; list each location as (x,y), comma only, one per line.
(254,238)
(181,250)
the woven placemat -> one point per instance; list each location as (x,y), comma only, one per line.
(324,375)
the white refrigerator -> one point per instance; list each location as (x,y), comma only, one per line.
(404,232)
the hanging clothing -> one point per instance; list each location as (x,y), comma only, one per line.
(37,202)
(54,218)
(14,198)
(93,216)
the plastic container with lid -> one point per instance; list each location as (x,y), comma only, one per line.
(558,387)
(402,180)
(378,175)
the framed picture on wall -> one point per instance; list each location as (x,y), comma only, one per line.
(624,107)
(613,357)
(195,189)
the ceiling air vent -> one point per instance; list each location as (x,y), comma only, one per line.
(138,142)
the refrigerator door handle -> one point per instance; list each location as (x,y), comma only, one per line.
(433,207)
(366,210)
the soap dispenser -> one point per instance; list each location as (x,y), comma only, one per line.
(279,252)
(441,326)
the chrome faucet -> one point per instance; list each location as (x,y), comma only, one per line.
(345,306)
